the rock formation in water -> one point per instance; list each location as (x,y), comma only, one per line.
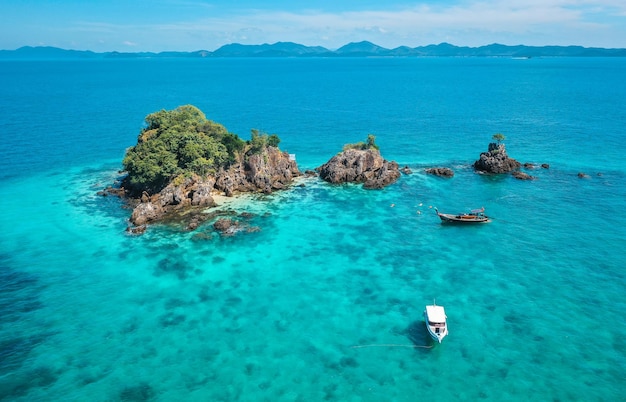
(496,160)
(365,166)
(440,171)
(181,159)
(522,176)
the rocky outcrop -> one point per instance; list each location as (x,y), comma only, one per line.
(440,171)
(495,160)
(194,191)
(360,166)
(406,170)
(264,172)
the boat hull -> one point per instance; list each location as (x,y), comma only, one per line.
(450,218)
(436,325)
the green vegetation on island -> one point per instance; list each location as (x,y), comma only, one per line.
(499,137)
(370,143)
(182,142)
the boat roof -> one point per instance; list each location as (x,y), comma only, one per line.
(436,313)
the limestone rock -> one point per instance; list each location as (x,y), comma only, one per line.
(265,172)
(146,212)
(496,160)
(360,166)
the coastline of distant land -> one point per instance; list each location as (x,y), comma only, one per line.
(354,49)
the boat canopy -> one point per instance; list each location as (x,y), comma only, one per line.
(436,314)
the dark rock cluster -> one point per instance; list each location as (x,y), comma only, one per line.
(365,166)
(496,160)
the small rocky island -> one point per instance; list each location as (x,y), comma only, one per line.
(360,163)
(182,159)
(496,161)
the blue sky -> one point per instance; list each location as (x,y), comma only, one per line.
(186,25)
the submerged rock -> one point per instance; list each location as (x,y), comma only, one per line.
(229,227)
(440,171)
(522,176)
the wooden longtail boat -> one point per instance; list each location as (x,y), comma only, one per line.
(475,216)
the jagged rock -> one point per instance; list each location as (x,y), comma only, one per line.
(146,212)
(265,172)
(440,171)
(522,176)
(406,170)
(545,166)
(201,195)
(495,160)
(360,166)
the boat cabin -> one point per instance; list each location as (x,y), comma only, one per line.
(436,317)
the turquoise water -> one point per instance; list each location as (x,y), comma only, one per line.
(535,299)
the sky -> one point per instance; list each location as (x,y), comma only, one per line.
(188,25)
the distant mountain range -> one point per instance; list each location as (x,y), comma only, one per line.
(355,49)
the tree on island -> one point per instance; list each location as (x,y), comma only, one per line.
(370,143)
(260,141)
(180,143)
(498,137)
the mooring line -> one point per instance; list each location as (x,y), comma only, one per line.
(390,345)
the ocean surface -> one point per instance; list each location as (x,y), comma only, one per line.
(325,300)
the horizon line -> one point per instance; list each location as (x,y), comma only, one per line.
(309,46)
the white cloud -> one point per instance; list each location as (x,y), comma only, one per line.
(471,23)
(488,18)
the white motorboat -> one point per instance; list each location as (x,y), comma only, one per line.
(435,317)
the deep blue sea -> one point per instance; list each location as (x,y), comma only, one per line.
(536,299)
